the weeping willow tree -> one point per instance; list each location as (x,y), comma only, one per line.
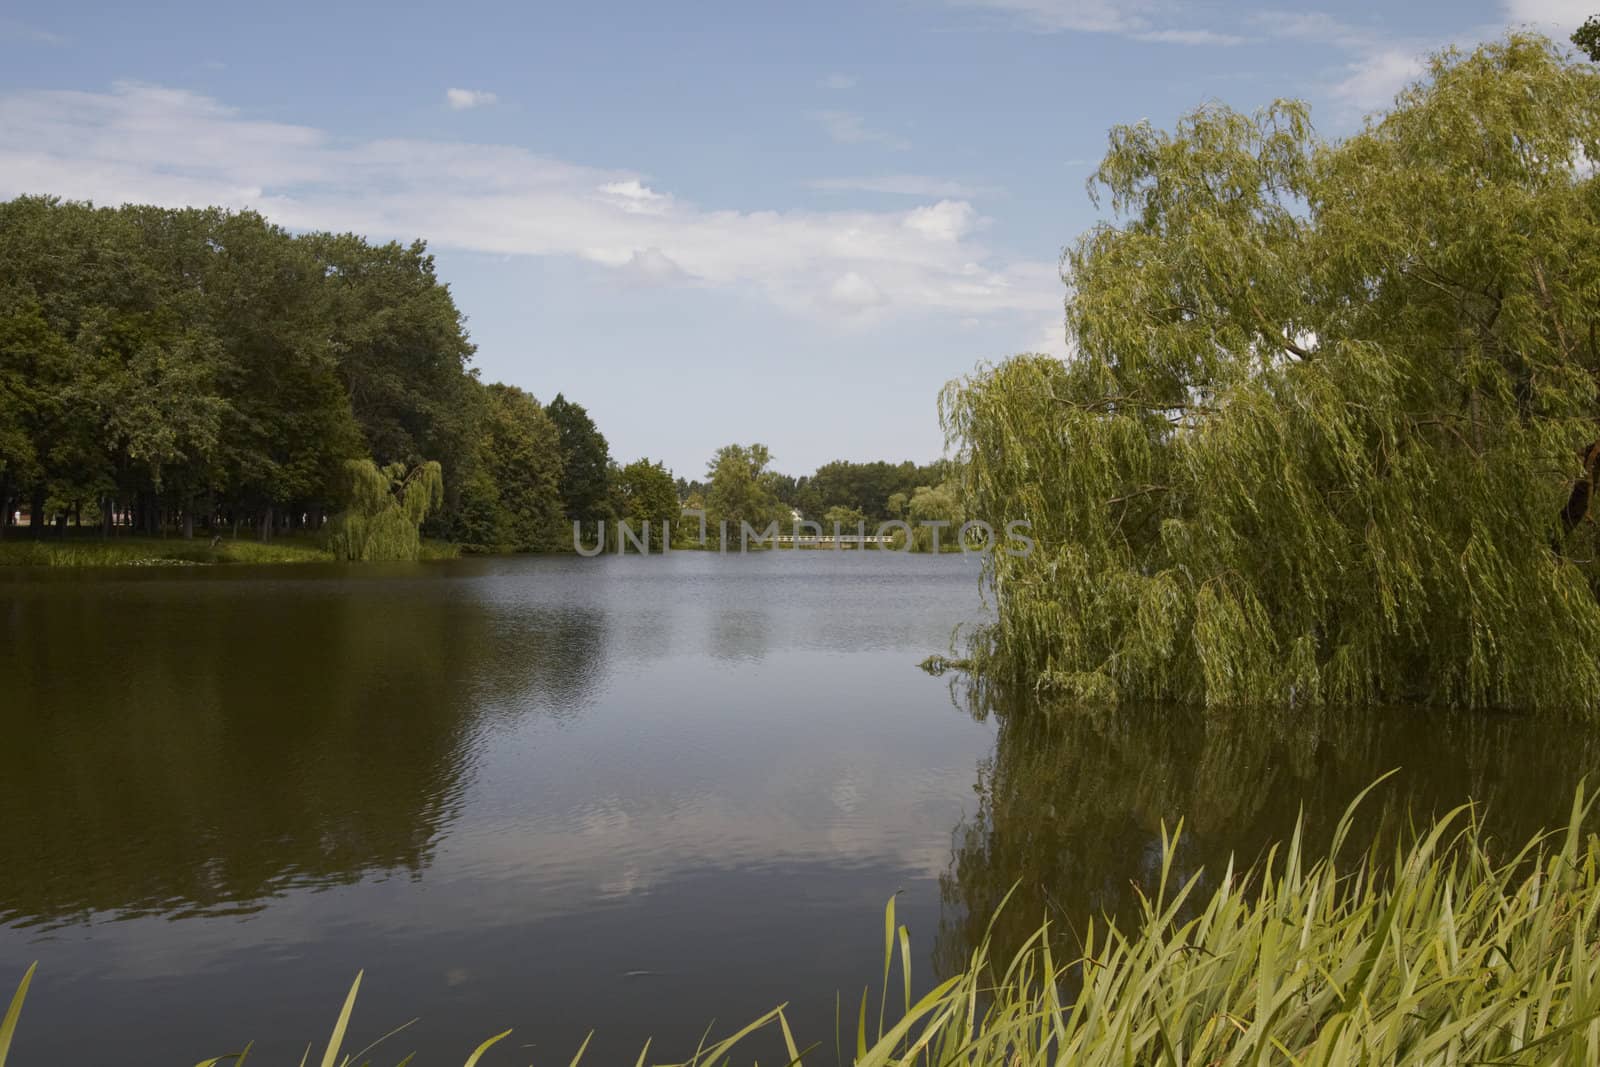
(386,511)
(1328,432)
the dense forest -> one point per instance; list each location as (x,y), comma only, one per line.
(162,368)
(171,370)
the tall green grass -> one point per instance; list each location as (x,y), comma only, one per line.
(155,552)
(1449,951)
(439,550)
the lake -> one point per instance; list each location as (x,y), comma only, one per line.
(629,794)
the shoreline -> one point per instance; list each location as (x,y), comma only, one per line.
(88,552)
(84,553)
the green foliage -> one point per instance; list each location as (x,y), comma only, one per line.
(847,520)
(401,350)
(1587,37)
(870,488)
(1327,405)
(208,365)
(1448,950)
(31,358)
(287,426)
(386,509)
(742,490)
(512,501)
(585,462)
(932,504)
(646,492)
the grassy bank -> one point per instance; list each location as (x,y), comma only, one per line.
(156,552)
(1453,950)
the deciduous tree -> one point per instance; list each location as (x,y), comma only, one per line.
(1329,405)
(648,494)
(585,458)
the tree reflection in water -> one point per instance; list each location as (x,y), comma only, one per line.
(182,754)
(1072,802)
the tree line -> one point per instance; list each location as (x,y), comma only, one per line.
(173,370)
(163,369)
(741,486)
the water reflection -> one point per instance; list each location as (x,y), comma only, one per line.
(1071,804)
(553,794)
(557,794)
(192,745)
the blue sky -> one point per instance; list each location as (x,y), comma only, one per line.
(713,222)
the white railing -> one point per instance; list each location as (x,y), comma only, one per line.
(829,541)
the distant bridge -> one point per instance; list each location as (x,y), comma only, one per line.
(829,541)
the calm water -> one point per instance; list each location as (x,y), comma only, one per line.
(559,794)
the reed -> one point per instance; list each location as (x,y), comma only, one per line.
(160,552)
(1450,950)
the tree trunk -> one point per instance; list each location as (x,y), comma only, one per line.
(36,513)
(1577,508)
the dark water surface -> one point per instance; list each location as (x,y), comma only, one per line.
(626,794)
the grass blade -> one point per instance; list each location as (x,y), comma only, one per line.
(330,1057)
(478,1052)
(8,1026)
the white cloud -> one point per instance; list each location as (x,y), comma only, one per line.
(1377,65)
(150,144)
(1374,79)
(1144,20)
(837,81)
(636,197)
(852,292)
(948,220)
(1558,16)
(651,266)
(1051,338)
(1051,16)
(900,185)
(1315,26)
(846,127)
(1195,37)
(462,99)
(1380,63)
(14,30)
